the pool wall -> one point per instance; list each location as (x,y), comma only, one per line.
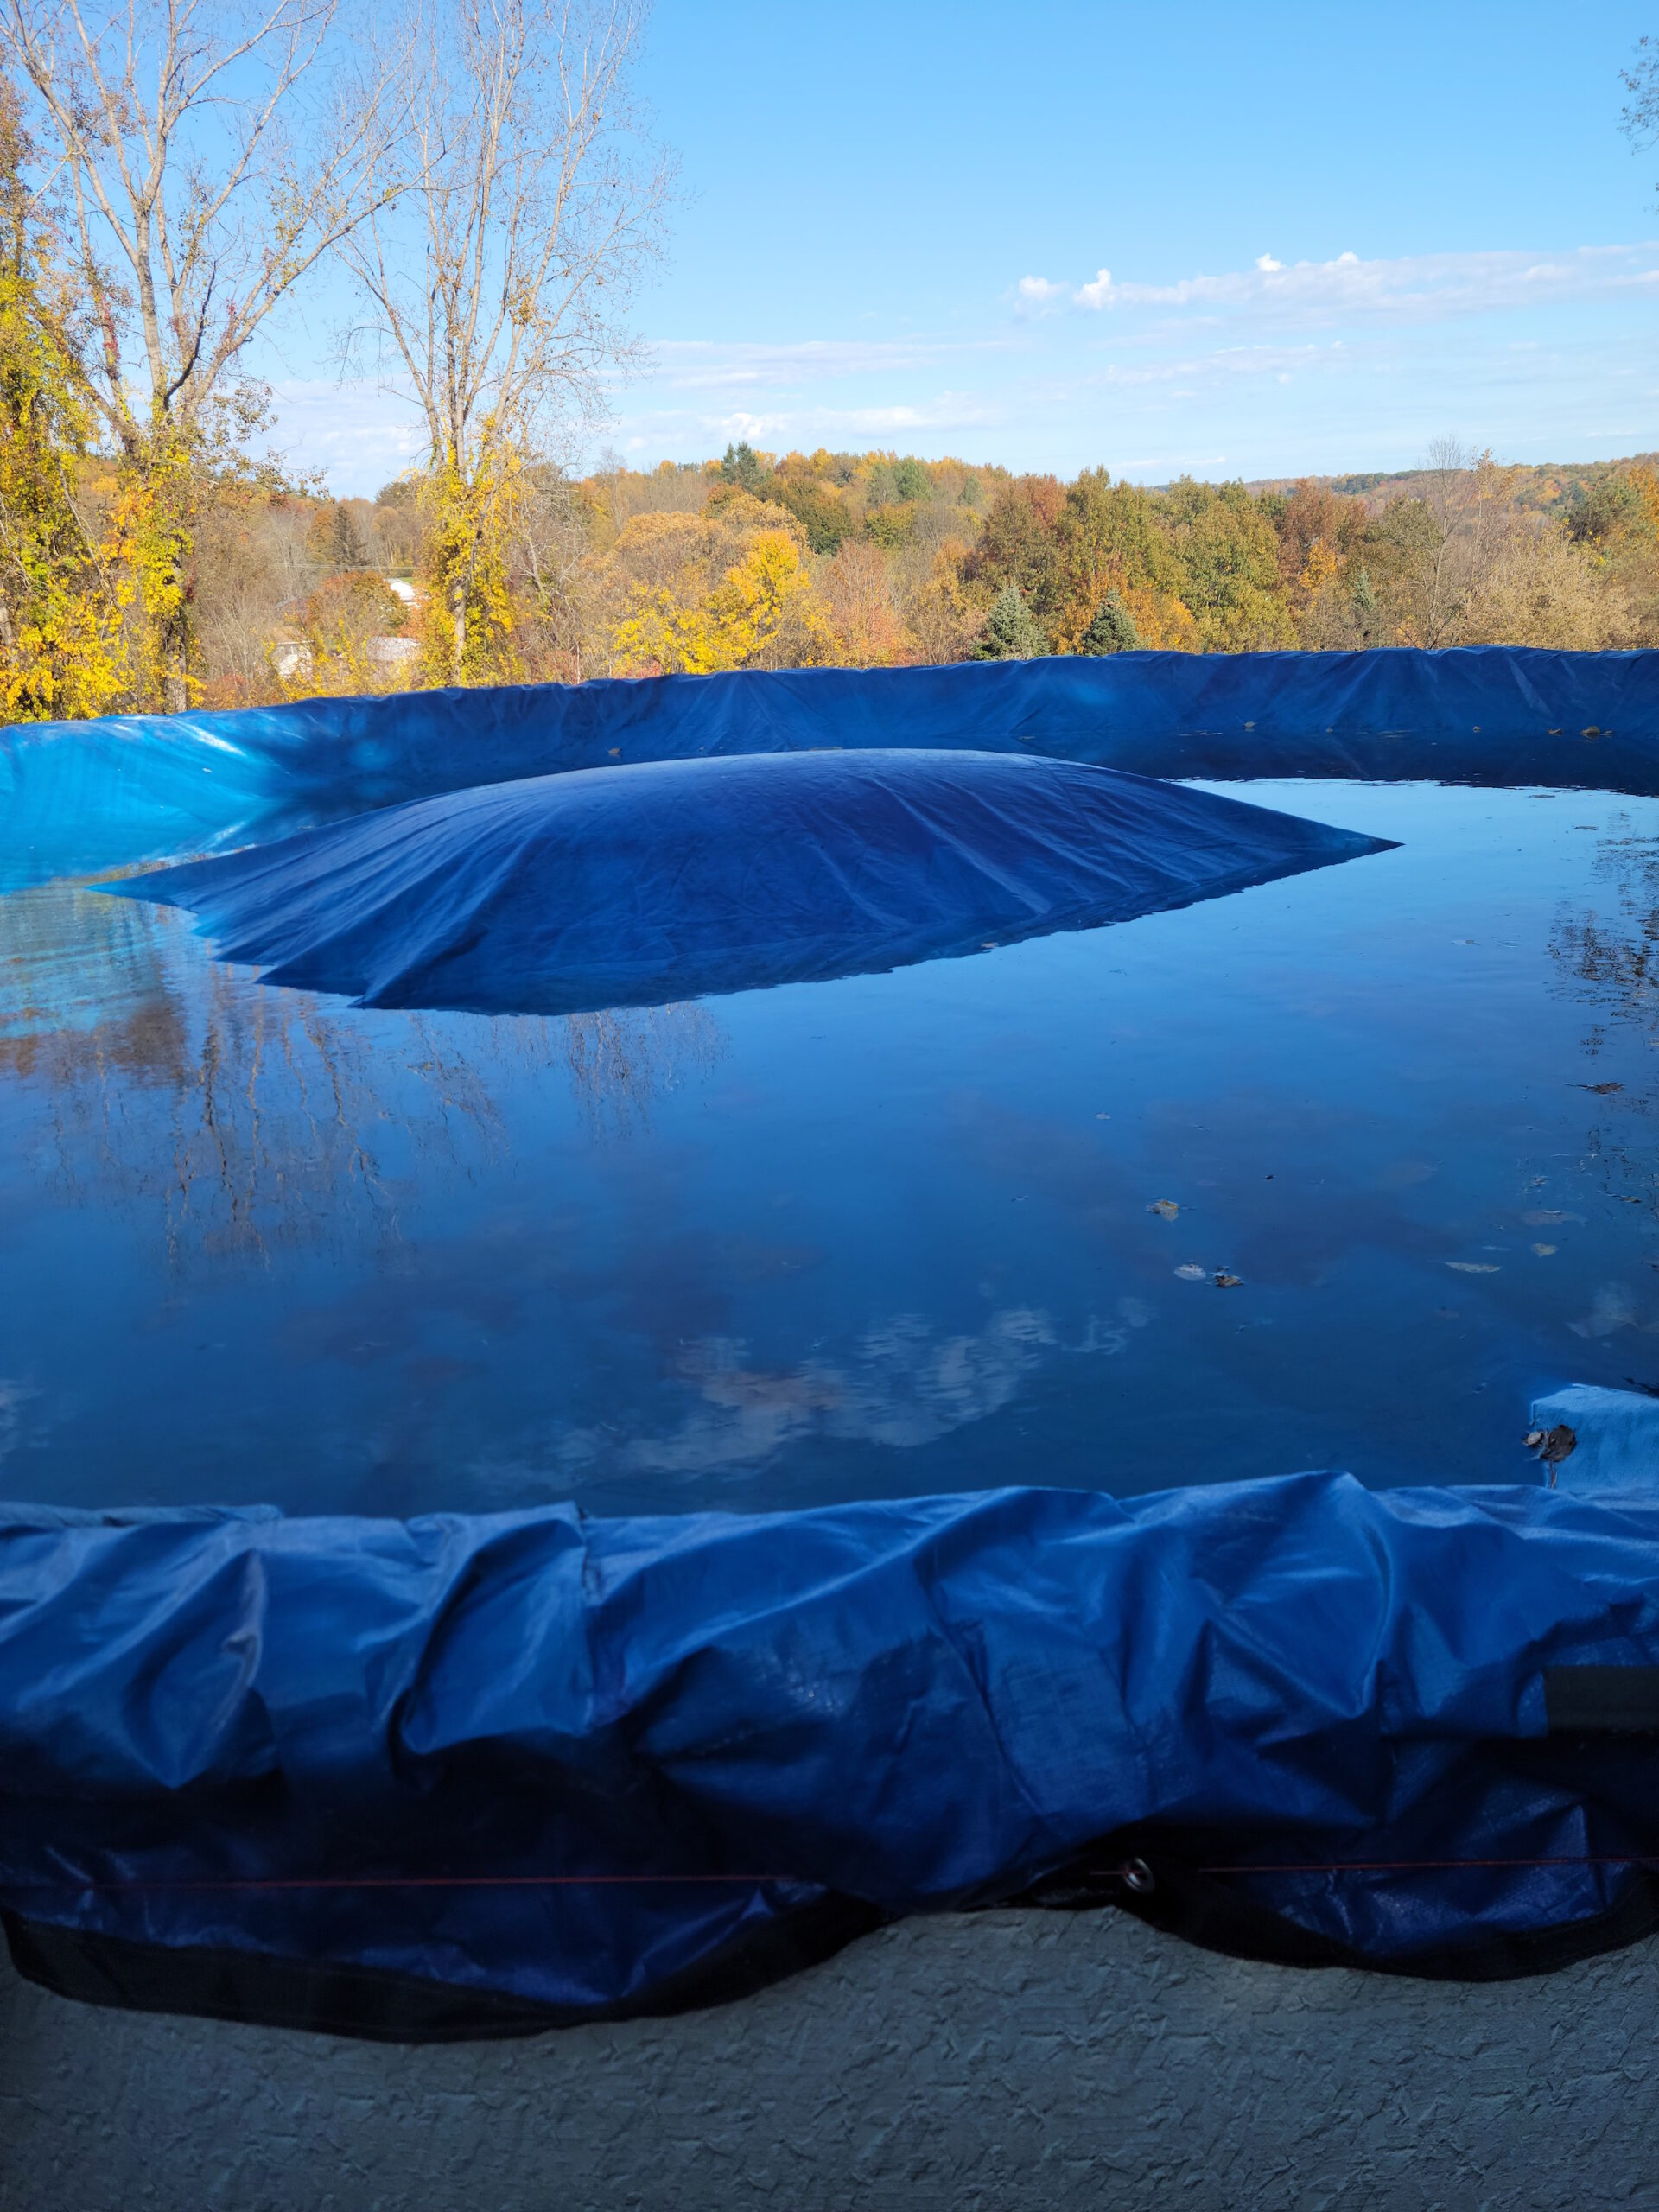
(86,797)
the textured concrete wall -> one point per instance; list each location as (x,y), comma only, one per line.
(1007,2061)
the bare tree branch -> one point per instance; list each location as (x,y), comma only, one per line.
(500,286)
(215,150)
(1639,118)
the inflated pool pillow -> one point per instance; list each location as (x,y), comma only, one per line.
(641,884)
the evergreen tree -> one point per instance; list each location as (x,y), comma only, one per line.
(1363,598)
(346,547)
(1112,630)
(1010,632)
(742,467)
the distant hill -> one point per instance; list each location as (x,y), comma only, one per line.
(1549,487)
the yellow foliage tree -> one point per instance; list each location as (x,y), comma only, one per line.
(469,624)
(61,612)
(730,587)
(1320,569)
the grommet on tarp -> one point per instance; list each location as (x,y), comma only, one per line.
(1098,1884)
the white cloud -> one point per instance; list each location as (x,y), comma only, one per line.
(1421,286)
(360,434)
(1038,292)
(920,422)
(698,365)
(1381,352)
(903,1386)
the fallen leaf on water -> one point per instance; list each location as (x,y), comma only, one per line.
(1191,1274)
(1473,1267)
(1543,1250)
(1225,1281)
(1166,1209)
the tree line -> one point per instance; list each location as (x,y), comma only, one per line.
(877,559)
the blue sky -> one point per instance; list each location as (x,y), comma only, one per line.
(1328,235)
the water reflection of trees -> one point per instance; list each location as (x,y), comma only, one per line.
(621,1064)
(135,1068)
(1613,965)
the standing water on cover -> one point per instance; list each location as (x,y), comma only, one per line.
(1338,1171)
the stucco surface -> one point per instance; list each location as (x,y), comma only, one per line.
(1006,2060)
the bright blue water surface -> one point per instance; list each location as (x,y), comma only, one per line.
(881,1235)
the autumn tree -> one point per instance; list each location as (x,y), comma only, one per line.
(732,588)
(497,287)
(1016,541)
(867,630)
(549,573)
(60,607)
(1112,545)
(212,151)
(1227,556)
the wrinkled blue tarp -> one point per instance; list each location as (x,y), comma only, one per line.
(79,798)
(919,1705)
(668,880)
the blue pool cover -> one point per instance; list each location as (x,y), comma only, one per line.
(486,1774)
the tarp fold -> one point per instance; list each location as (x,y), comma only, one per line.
(563,1763)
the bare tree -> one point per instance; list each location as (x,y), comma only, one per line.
(1467,496)
(497,290)
(548,555)
(213,151)
(1449,467)
(1639,118)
